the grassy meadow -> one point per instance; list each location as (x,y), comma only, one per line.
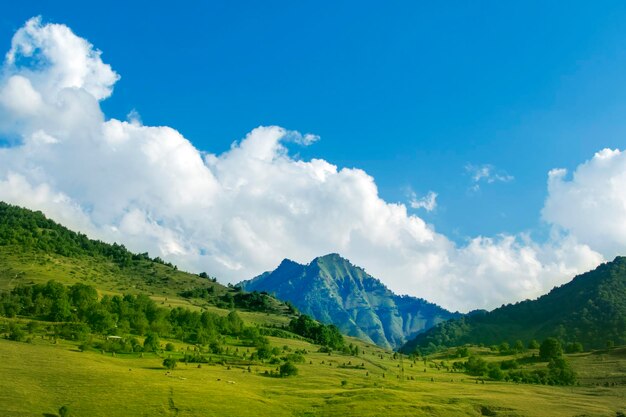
(41,376)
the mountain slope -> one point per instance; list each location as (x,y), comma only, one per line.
(590,309)
(35,249)
(333,290)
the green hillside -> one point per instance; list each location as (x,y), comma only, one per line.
(590,310)
(333,290)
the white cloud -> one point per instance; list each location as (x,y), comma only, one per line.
(57,59)
(486,174)
(427,202)
(592,204)
(238,213)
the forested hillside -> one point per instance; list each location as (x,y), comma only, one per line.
(591,310)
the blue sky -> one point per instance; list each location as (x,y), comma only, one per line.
(419,95)
(410,92)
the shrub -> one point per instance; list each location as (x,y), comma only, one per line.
(496,374)
(169,363)
(16,333)
(288,369)
(64,411)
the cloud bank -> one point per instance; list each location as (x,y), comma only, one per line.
(238,213)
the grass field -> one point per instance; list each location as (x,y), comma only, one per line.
(40,377)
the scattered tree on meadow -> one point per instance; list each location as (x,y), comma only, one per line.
(169,363)
(288,369)
(550,348)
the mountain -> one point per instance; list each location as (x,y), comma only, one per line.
(332,290)
(590,309)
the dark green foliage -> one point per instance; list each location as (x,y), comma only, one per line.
(64,411)
(495,373)
(207,293)
(476,366)
(590,310)
(560,372)
(518,347)
(236,298)
(533,344)
(254,301)
(550,349)
(81,313)
(462,352)
(16,333)
(575,347)
(510,364)
(169,363)
(294,358)
(325,335)
(30,229)
(288,369)
(151,343)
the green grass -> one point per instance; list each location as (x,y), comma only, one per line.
(40,377)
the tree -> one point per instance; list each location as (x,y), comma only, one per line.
(169,363)
(476,366)
(234,323)
(16,333)
(550,348)
(561,372)
(496,373)
(288,369)
(151,343)
(533,344)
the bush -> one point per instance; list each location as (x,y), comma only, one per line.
(170,347)
(476,366)
(496,374)
(64,411)
(169,363)
(575,347)
(288,369)
(533,344)
(16,333)
(560,372)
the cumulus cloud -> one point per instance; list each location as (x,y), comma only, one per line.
(427,202)
(486,174)
(237,213)
(592,204)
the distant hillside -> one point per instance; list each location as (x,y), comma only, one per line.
(333,290)
(35,249)
(591,309)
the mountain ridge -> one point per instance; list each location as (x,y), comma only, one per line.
(333,290)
